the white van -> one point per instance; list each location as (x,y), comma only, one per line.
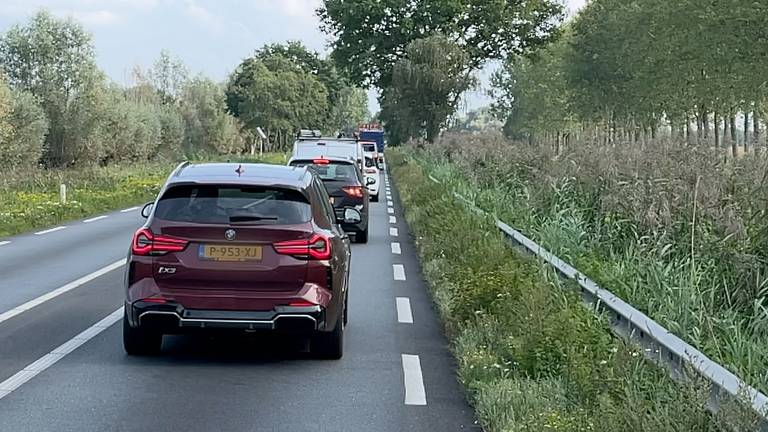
(311,145)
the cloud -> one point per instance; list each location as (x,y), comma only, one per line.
(299,8)
(203,16)
(97,18)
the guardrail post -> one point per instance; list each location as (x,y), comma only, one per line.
(63,193)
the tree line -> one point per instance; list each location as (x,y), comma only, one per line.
(57,108)
(422,55)
(689,71)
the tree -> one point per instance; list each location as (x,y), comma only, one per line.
(169,76)
(426,87)
(53,59)
(277,96)
(336,86)
(208,126)
(349,110)
(370,36)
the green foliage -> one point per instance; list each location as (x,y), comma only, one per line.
(168,76)
(208,127)
(54,60)
(625,216)
(30,125)
(277,95)
(370,37)
(624,69)
(349,110)
(425,89)
(531,355)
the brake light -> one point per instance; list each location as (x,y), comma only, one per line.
(353,191)
(370,171)
(321,161)
(317,247)
(147,243)
(158,300)
(301,303)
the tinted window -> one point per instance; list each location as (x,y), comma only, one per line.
(228,204)
(332,171)
(369,147)
(369,162)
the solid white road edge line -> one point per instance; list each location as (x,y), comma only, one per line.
(393,232)
(95,219)
(404,314)
(48,360)
(395,248)
(414,382)
(392,220)
(398,272)
(129,209)
(50,230)
(3,243)
(5,316)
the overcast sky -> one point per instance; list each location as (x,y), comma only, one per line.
(210,36)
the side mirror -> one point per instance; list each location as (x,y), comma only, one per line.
(147,210)
(369,181)
(351,216)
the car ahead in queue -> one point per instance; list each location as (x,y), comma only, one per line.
(346,186)
(310,144)
(370,151)
(241,248)
(371,173)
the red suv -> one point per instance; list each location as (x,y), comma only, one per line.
(242,248)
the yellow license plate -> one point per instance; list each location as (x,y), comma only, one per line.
(231,253)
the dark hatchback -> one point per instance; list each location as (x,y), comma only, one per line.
(241,248)
(347,187)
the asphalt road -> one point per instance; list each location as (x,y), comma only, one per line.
(62,365)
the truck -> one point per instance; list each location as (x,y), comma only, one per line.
(372,132)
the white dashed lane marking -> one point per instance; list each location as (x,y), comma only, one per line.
(50,230)
(129,210)
(390,203)
(392,220)
(414,382)
(48,360)
(95,219)
(390,210)
(3,243)
(395,248)
(59,291)
(393,232)
(404,314)
(398,272)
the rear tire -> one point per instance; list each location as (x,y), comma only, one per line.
(330,346)
(375,198)
(140,342)
(361,236)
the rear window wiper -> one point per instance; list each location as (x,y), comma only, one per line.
(250,218)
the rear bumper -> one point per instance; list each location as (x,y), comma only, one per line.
(172,318)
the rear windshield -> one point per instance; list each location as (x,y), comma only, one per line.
(332,171)
(369,147)
(226,204)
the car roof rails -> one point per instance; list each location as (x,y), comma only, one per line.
(309,134)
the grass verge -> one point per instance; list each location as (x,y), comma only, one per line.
(30,199)
(530,355)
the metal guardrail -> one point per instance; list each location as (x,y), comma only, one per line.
(659,344)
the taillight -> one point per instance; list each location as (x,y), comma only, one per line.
(317,247)
(147,243)
(353,191)
(370,170)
